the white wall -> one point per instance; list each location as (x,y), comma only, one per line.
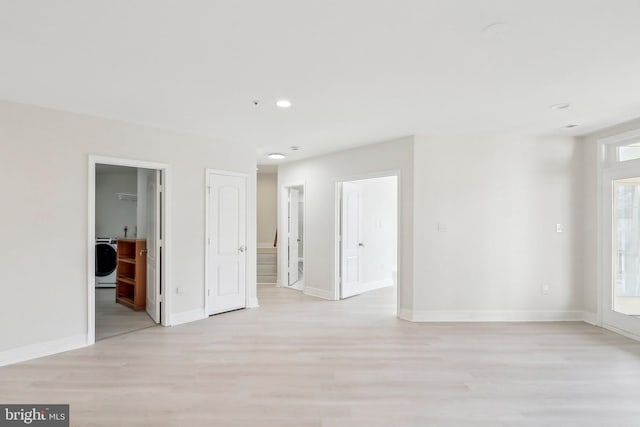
(44,269)
(591,209)
(112,214)
(320,176)
(267,208)
(379,229)
(500,200)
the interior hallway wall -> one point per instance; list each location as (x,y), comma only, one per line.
(320,175)
(267,208)
(46,219)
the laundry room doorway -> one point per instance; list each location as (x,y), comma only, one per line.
(128,246)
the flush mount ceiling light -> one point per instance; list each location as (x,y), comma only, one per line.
(561,106)
(276,156)
(294,148)
(283,103)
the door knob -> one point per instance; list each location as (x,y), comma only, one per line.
(361,245)
(241,249)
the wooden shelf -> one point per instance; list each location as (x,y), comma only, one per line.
(127,280)
(128,302)
(131,276)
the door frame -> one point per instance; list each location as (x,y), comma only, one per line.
(304,223)
(608,170)
(282,280)
(337,229)
(207,172)
(165,169)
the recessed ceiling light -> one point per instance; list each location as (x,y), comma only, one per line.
(560,106)
(571,125)
(276,156)
(283,103)
(493,26)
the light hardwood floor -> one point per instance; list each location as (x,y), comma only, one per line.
(300,361)
(114,319)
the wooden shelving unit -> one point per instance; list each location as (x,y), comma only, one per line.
(131,273)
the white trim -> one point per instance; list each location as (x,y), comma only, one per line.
(41,349)
(622,332)
(319,293)
(620,138)
(188,316)
(405,314)
(491,316)
(337,246)
(590,318)
(91,241)
(253,302)
(207,197)
(607,172)
(282,249)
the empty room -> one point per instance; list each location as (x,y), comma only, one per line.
(320,214)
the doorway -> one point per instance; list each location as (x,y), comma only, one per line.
(128,254)
(621,301)
(295,237)
(619,176)
(226,241)
(367,238)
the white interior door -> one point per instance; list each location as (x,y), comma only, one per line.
(621,287)
(294,207)
(226,225)
(152,221)
(352,244)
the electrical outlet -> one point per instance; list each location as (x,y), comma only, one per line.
(559,228)
(179,291)
(544,289)
(442,227)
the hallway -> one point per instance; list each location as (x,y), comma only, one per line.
(301,361)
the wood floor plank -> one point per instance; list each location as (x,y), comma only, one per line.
(300,361)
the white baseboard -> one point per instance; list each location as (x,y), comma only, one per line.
(490,316)
(34,351)
(253,303)
(622,332)
(590,318)
(320,293)
(187,316)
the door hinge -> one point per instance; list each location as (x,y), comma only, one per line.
(160,243)
(208,292)
(161,188)
(209,241)
(209,189)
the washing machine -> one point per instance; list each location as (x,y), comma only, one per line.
(106,261)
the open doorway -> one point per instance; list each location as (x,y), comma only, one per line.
(367,239)
(127,210)
(295,237)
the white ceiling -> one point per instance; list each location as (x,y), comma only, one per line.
(357,71)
